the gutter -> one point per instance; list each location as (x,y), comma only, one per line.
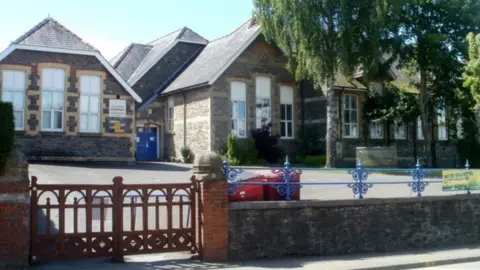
(170,79)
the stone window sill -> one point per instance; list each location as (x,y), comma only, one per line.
(89,134)
(52,133)
(20,132)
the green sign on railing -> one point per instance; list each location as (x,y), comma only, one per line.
(460,180)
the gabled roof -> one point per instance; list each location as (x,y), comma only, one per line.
(51,36)
(158,48)
(50,33)
(131,58)
(215,58)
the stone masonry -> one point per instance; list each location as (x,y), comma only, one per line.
(320,228)
(71,144)
(259,59)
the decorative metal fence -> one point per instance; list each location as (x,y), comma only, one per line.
(286,187)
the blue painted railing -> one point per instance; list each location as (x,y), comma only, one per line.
(360,186)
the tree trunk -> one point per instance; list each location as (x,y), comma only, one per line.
(332,124)
(424,118)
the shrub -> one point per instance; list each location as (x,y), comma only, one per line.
(266,143)
(308,143)
(251,156)
(310,161)
(7,132)
(187,154)
(234,154)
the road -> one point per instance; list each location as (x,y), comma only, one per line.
(459,266)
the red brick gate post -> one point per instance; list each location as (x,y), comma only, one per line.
(213,206)
(14,213)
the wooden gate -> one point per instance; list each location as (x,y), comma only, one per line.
(83,221)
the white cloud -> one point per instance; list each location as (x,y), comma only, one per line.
(108,48)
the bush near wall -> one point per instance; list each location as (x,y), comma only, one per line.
(309,161)
(7,132)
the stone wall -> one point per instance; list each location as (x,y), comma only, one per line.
(276,229)
(259,59)
(70,143)
(191,123)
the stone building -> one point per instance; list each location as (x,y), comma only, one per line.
(196,92)
(69,103)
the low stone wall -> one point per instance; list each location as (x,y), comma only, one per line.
(273,229)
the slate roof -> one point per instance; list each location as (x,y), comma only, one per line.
(50,33)
(131,59)
(215,56)
(137,59)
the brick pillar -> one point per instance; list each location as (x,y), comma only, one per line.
(14,214)
(213,203)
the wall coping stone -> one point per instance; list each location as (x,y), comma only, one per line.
(335,203)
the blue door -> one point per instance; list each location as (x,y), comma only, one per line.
(147,143)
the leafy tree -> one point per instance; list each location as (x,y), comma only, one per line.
(323,37)
(472,71)
(7,133)
(431,37)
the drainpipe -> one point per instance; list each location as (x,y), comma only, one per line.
(184,119)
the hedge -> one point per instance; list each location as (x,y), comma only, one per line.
(7,132)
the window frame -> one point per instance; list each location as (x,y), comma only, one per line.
(89,114)
(346,109)
(286,100)
(238,99)
(395,135)
(377,123)
(52,110)
(13,90)
(262,95)
(170,114)
(442,131)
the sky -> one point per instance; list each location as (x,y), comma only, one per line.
(110,25)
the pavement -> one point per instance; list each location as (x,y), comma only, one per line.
(454,258)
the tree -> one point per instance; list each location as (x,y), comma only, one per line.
(323,37)
(431,34)
(472,71)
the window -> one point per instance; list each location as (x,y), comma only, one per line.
(350,114)
(441,122)
(90,103)
(263,97)
(286,112)
(239,109)
(170,111)
(14,86)
(400,132)
(376,130)
(53,89)
(419,129)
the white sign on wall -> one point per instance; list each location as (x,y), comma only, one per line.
(117,108)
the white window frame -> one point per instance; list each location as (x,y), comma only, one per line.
(52,110)
(21,88)
(420,136)
(170,114)
(442,133)
(238,96)
(87,96)
(374,127)
(286,101)
(347,108)
(402,127)
(263,92)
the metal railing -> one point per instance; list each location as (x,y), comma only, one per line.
(360,186)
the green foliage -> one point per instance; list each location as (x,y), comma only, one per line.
(7,132)
(187,154)
(472,71)
(310,161)
(251,153)
(232,150)
(266,144)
